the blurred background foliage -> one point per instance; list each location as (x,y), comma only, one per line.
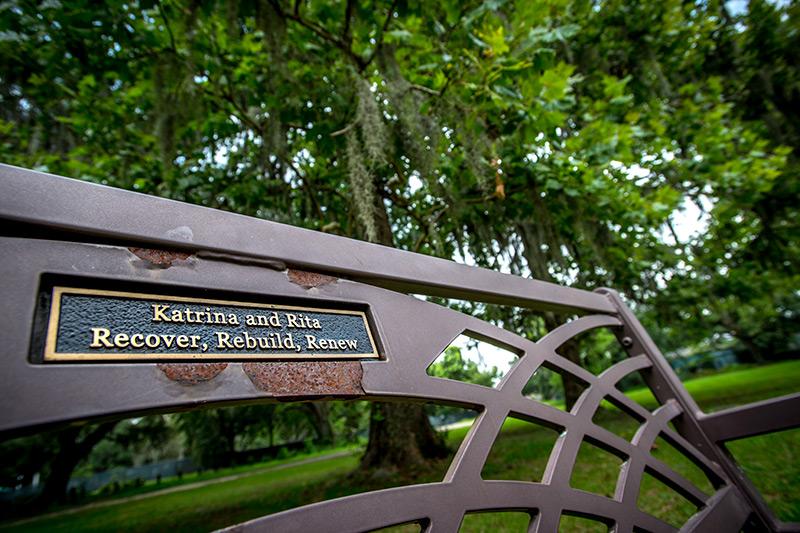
(562,140)
(647,146)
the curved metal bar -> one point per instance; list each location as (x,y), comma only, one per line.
(562,459)
(519,375)
(554,339)
(546,521)
(612,375)
(373,510)
(474,450)
(630,475)
(616,445)
(712,470)
(619,400)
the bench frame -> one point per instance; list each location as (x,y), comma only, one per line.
(55,227)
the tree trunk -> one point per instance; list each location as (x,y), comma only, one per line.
(228,430)
(71,451)
(755,351)
(271,427)
(322,423)
(400,435)
(571,352)
(537,262)
(401,438)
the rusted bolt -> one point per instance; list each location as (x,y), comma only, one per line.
(627,342)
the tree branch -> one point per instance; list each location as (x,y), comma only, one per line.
(423,238)
(320,32)
(242,114)
(306,185)
(95,436)
(674,233)
(343,130)
(347,36)
(166,25)
(423,89)
(379,41)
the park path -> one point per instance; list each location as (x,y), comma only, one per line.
(181,488)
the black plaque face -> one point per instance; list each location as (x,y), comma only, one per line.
(99,325)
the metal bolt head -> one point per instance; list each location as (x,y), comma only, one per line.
(627,342)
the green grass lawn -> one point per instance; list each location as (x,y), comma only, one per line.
(736,387)
(194,477)
(772,464)
(204,508)
(520,452)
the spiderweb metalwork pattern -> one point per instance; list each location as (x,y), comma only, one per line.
(441,506)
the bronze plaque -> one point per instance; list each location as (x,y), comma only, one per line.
(101,325)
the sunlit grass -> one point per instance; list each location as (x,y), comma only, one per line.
(736,387)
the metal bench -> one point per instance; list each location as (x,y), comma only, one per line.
(59,232)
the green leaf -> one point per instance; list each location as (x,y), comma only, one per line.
(556,82)
(552,185)
(398,36)
(495,39)
(507,92)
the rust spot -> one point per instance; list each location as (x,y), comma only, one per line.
(159,258)
(191,373)
(310,378)
(309,279)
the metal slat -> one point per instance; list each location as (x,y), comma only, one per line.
(753,419)
(85,208)
(725,512)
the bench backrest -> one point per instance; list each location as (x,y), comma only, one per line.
(62,235)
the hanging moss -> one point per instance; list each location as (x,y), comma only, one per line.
(476,147)
(363,187)
(273,24)
(418,132)
(165,113)
(370,122)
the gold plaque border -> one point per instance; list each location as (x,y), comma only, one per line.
(50,353)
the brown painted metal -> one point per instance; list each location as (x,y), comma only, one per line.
(104,213)
(753,419)
(55,227)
